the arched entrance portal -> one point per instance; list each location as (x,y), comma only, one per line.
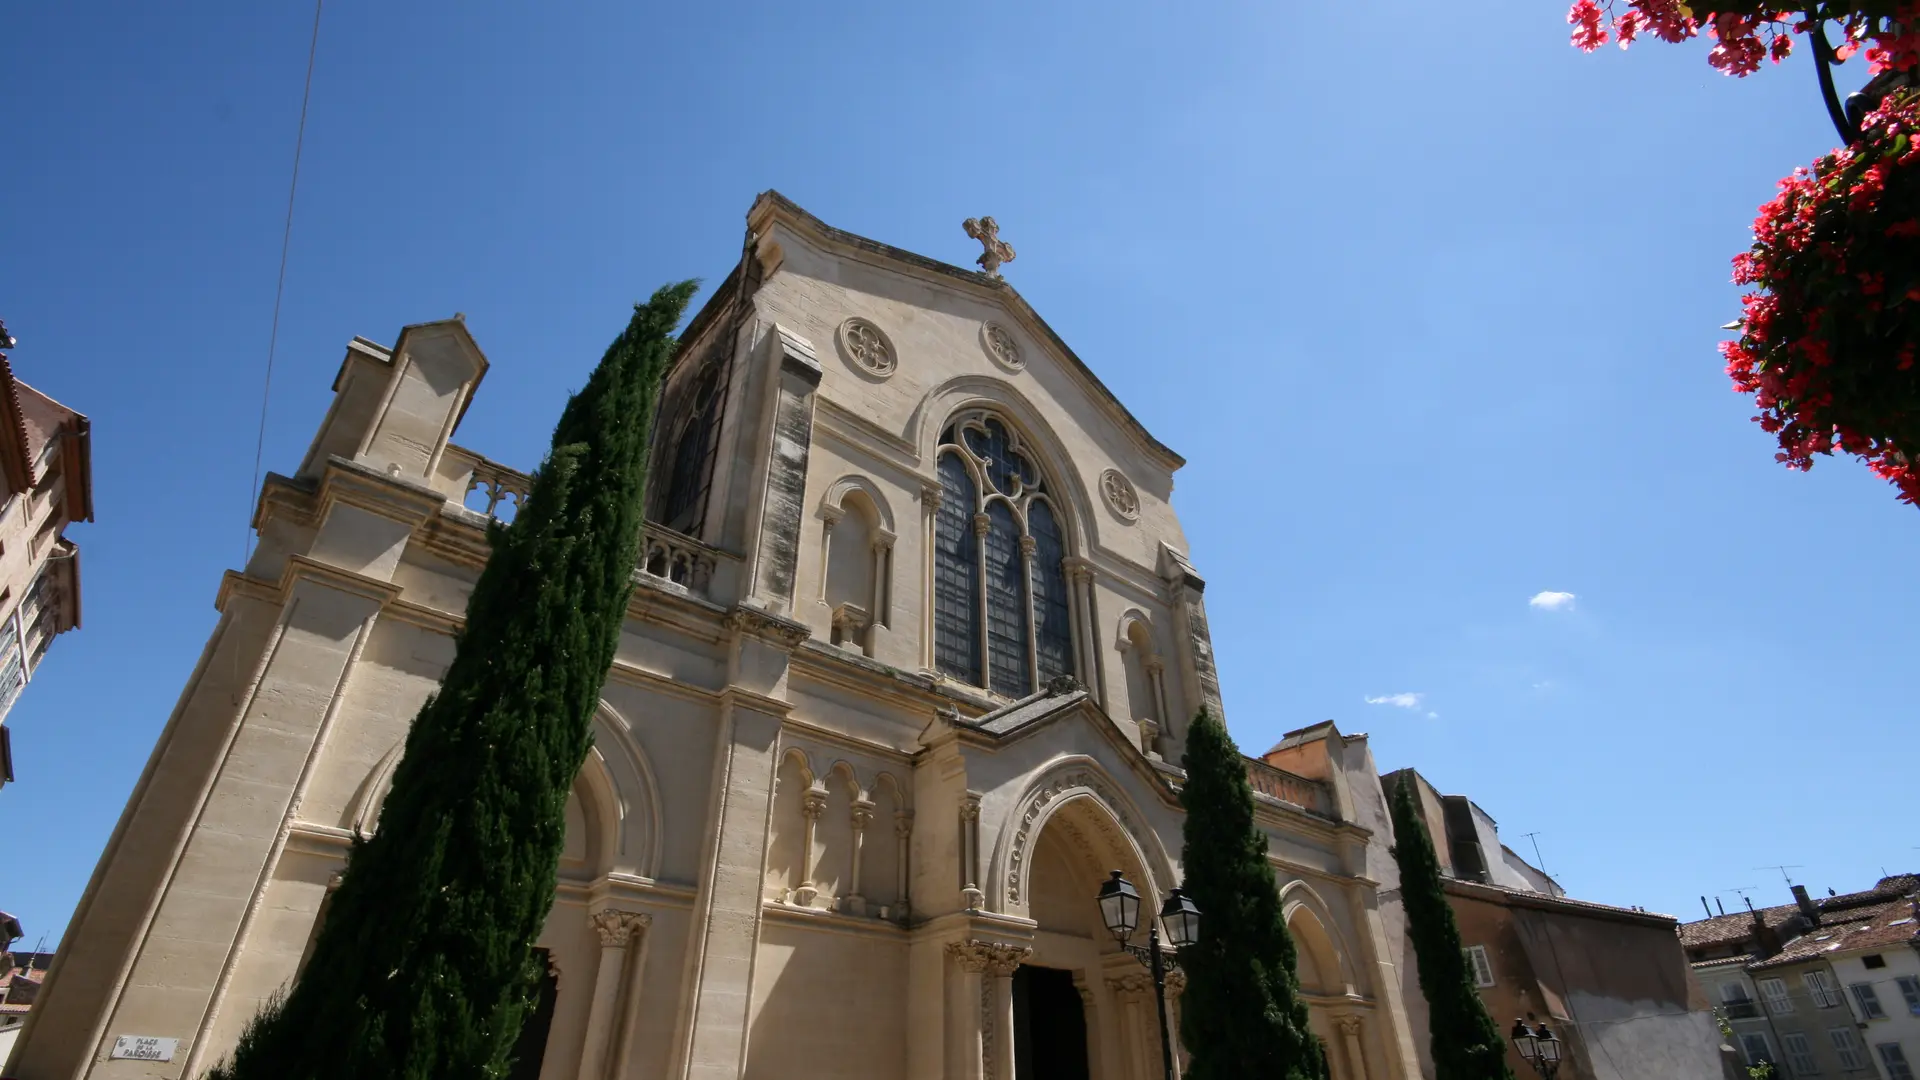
(1083,1007)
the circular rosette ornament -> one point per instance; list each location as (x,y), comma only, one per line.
(1828,342)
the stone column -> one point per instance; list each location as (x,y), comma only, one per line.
(882,583)
(981,1008)
(1176,989)
(982,524)
(1351,1028)
(1028,545)
(812,805)
(616,930)
(970,893)
(1076,619)
(903,837)
(1140,1046)
(1156,675)
(829,517)
(929,517)
(862,815)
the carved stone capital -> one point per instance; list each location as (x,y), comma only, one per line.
(767,626)
(1028,545)
(970,806)
(832,515)
(1131,983)
(987,957)
(981,523)
(882,541)
(862,812)
(903,823)
(1176,983)
(1154,665)
(930,495)
(1350,1026)
(618,927)
(813,803)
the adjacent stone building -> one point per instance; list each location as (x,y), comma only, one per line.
(1818,988)
(1611,982)
(46,484)
(905,675)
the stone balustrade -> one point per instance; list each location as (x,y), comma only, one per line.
(1309,795)
(505,488)
(681,560)
(665,556)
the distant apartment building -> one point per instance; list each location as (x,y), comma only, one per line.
(1610,981)
(1818,988)
(46,483)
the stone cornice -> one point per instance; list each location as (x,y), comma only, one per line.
(350,482)
(773,629)
(305,567)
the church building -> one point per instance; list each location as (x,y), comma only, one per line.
(905,675)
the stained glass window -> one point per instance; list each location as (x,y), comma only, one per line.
(1052,633)
(956,577)
(1027,636)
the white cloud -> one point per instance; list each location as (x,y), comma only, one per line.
(1552,601)
(1398,701)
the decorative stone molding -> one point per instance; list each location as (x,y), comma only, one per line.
(987,957)
(1176,983)
(866,346)
(1131,983)
(619,927)
(768,626)
(1081,777)
(1350,1026)
(1001,346)
(1120,496)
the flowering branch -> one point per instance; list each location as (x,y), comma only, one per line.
(1745,32)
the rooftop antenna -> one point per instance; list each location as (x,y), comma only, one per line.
(1538,862)
(1742,891)
(1783,871)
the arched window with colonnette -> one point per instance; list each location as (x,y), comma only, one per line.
(1000,585)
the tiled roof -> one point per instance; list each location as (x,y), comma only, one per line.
(1887,888)
(1734,927)
(1846,931)
(1742,960)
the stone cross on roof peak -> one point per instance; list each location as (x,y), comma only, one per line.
(987,231)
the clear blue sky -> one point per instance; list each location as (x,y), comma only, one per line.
(1429,303)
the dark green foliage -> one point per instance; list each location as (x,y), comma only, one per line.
(423,966)
(1241,1015)
(1467,1044)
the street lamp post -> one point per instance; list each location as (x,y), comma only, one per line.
(1120,910)
(1538,1046)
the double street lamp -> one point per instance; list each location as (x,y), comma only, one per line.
(1120,910)
(1538,1046)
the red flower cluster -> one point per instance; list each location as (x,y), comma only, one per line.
(1828,340)
(1745,32)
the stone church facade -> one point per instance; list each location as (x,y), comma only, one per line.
(903,677)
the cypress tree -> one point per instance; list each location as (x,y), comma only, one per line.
(423,968)
(1241,1015)
(1467,1044)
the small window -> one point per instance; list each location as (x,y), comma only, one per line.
(1910,989)
(1779,1002)
(1800,1054)
(1847,1046)
(1869,1001)
(1758,1052)
(1895,1059)
(1482,968)
(1873,961)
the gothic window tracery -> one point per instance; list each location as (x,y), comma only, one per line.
(1000,588)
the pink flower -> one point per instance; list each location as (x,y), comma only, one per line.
(1585,17)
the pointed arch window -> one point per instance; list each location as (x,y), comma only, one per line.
(690,448)
(1000,586)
